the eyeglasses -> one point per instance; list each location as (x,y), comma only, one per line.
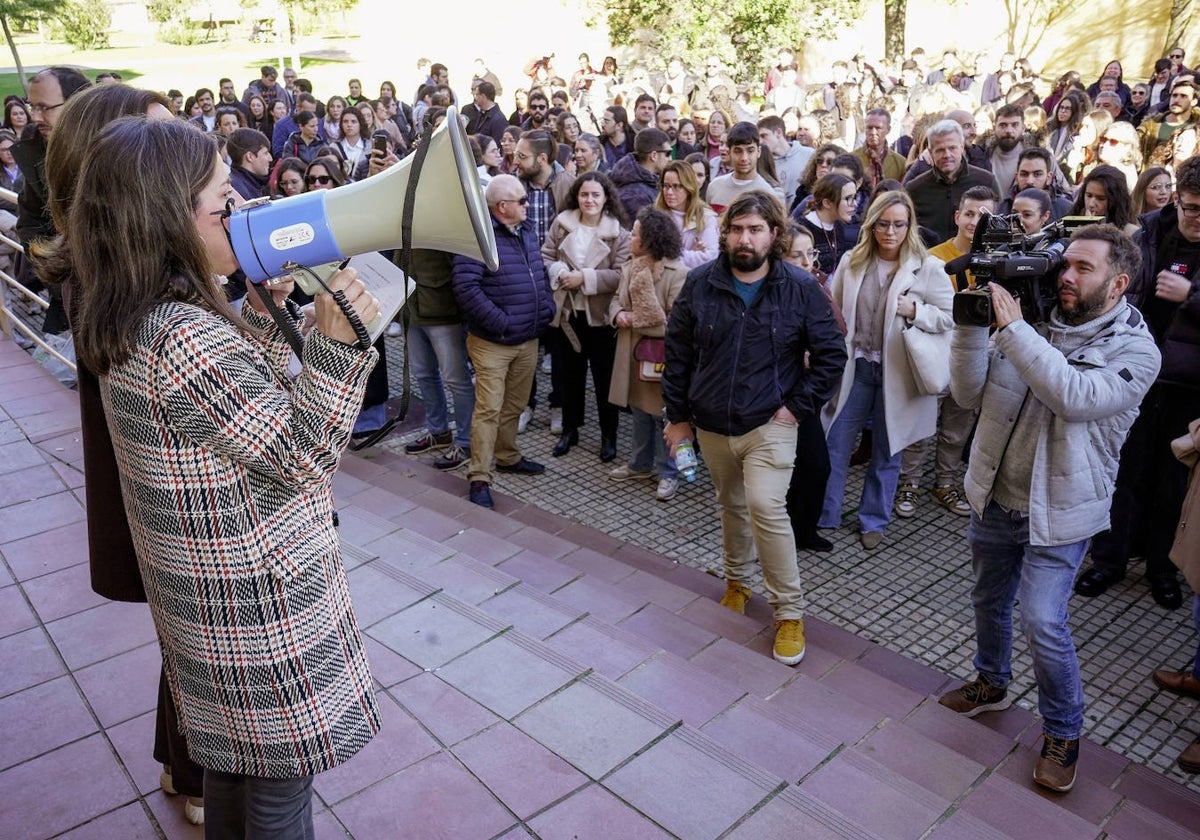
(522,200)
(1137,93)
(318,179)
(1112,141)
(539,107)
(41,109)
(1190,211)
(884,227)
(1176,56)
(665,187)
(811,253)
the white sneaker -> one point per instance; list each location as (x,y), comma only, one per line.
(906,500)
(523,420)
(546,363)
(394,330)
(666,489)
(556,427)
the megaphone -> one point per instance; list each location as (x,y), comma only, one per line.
(272,237)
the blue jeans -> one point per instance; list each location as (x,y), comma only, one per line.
(439,362)
(879,486)
(238,807)
(1008,569)
(649,448)
(1196,622)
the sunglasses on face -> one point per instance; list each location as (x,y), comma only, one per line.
(318,179)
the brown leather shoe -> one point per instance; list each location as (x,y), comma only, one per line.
(1189,759)
(1184,683)
(1058,763)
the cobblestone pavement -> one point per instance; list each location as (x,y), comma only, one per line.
(910,594)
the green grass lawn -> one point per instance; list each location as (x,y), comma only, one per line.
(10,83)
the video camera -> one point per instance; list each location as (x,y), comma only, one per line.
(1025,264)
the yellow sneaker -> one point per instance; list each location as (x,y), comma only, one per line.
(736,597)
(789,640)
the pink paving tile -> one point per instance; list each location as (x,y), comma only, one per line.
(1014,722)
(707,613)
(489,521)
(842,642)
(327,827)
(28,518)
(434,631)
(361,527)
(42,718)
(19,455)
(467,579)
(1133,822)
(408,550)
(134,743)
(168,810)
(49,551)
(531,611)
(13,391)
(482,545)
(127,823)
(597,565)
(429,523)
(903,671)
(122,686)
(14,368)
(681,689)
(516,833)
(71,476)
(377,595)
(663,783)
(963,735)
(594,814)
(645,560)
(387,666)
(519,771)
(541,538)
(40,427)
(101,632)
(780,743)
(346,486)
(668,631)
(872,690)
(606,649)
(27,658)
(400,743)
(40,402)
(361,467)
(1089,799)
(791,815)
(15,614)
(590,537)
(659,590)
(1161,795)
(87,783)
(936,768)
(435,798)
(842,717)
(65,448)
(26,485)
(603,600)
(540,572)
(1020,812)
(759,674)
(619,724)
(380,502)
(896,807)
(442,709)
(485,674)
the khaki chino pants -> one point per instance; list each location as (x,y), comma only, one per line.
(503,379)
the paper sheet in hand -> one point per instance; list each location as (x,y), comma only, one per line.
(389,285)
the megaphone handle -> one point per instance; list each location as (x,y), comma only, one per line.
(360,331)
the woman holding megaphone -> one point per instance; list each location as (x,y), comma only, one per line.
(226,467)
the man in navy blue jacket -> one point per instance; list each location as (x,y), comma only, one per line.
(735,367)
(505,311)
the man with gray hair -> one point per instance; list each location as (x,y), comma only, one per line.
(1110,101)
(937,193)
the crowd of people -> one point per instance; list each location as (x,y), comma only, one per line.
(764,274)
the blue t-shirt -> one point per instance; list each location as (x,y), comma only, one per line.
(748,292)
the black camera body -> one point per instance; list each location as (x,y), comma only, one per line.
(1025,264)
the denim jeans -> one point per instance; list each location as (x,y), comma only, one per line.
(1196,622)
(1009,569)
(255,808)
(649,449)
(439,362)
(879,486)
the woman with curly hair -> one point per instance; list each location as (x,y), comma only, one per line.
(584,250)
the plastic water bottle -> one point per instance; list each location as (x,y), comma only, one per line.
(685,460)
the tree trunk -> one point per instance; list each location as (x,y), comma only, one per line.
(1177,27)
(12,45)
(895,14)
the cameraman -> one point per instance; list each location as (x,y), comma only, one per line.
(1056,401)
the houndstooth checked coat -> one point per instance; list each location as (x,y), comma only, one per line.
(226,468)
